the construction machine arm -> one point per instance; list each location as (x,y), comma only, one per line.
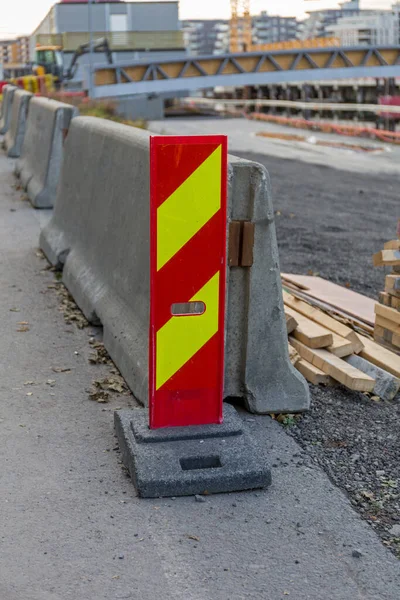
(99,45)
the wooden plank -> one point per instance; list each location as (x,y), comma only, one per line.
(324,320)
(247,244)
(386,258)
(336,296)
(340,347)
(385,335)
(384,298)
(386,324)
(394,302)
(294,356)
(308,332)
(392,285)
(337,368)
(313,374)
(386,386)
(381,357)
(291,323)
(388,313)
(382,335)
(392,245)
(235,236)
(293,279)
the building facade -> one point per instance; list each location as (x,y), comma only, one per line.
(319,22)
(134,30)
(15,51)
(212,36)
(206,37)
(268,29)
(367,29)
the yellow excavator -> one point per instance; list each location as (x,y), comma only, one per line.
(50,59)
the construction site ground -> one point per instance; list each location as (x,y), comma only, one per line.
(333,209)
(71,524)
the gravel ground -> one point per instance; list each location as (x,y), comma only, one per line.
(330,222)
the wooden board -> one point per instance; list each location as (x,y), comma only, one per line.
(247,244)
(394,302)
(291,323)
(384,298)
(385,337)
(381,357)
(313,374)
(308,332)
(382,335)
(388,337)
(389,325)
(335,367)
(392,245)
(346,300)
(340,347)
(293,355)
(235,234)
(388,313)
(392,285)
(324,320)
(386,258)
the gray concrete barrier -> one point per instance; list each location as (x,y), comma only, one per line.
(14,136)
(100,233)
(40,162)
(6,105)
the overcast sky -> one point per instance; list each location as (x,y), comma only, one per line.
(22,16)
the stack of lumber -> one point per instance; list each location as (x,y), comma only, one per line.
(326,351)
(387,312)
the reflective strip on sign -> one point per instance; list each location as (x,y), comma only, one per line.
(189,208)
(187,334)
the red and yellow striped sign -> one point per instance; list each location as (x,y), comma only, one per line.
(188,264)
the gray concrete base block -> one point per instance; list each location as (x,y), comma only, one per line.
(14,137)
(6,107)
(190,460)
(258,370)
(47,123)
(52,242)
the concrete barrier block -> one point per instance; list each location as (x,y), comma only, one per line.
(14,136)
(40,162)
(100,232)
(258,365)
(6,107)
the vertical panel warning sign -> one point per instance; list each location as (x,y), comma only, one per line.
(188,265)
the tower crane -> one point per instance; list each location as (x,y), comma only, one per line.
(240,26)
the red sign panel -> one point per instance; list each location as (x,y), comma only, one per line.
(188,265)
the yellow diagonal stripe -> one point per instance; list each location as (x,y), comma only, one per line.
(189,208)
(181,337)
